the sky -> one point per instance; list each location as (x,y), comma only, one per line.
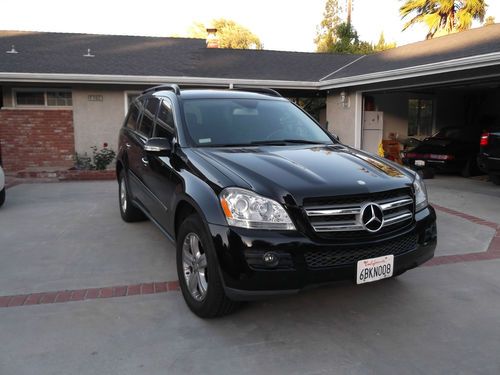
(288,25)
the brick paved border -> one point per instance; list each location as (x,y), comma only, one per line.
(86,294)
(62,296)
(493,251)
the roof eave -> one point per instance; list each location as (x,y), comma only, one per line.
(465,63)
(150,80)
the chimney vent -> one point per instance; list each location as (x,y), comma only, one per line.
(12,50)
(212,40)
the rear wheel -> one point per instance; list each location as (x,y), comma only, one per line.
(2,197)
(128,211)
(495,178)
(198,271)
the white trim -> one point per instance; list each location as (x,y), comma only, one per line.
(150,80)
(126,93)
(460,64)
(358,118)
(448,66)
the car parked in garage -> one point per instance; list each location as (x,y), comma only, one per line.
(2,187)
(451,149)
(260,200)
(489,155)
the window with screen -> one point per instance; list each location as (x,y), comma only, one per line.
(148,117)
(165,120)
(420,117)
(43,98)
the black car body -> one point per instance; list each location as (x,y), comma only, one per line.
(319,200)
(489,155)
(452,149)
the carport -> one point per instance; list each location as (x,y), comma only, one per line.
(415,90)
(421,111)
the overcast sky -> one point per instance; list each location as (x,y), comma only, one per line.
(280,24)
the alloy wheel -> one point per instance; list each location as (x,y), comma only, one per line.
(194,263)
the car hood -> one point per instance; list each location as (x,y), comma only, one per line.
(292,173)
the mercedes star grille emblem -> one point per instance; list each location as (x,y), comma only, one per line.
(372,217)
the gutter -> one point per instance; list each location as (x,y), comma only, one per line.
(151,80)
(448,66)
(460,64)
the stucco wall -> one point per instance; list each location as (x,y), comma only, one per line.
(96,122)
(341,119)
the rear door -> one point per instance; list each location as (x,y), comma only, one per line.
(138,163)
(158,177)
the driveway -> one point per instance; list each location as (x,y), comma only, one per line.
(85,293)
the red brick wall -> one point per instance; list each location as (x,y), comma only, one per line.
(36,138)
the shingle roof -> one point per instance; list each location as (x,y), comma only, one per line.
(473,42)
(41,52)
(153,56)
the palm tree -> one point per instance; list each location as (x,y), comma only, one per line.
(443,16)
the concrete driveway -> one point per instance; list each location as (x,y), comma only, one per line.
(81,292)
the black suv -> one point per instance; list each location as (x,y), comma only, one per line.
(260,200)
(489,155)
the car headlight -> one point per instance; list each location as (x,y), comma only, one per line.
(420,193)
(246,209)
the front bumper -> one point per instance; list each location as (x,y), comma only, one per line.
(240,250)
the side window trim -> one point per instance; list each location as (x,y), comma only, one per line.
(172,129)
(142,110)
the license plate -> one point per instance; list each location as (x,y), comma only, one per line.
(419,163)
(374,269)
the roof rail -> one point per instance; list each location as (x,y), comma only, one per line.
(175,88)
(260,90)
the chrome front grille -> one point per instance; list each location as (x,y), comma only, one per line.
(345,216)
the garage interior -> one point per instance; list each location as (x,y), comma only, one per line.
(419,112)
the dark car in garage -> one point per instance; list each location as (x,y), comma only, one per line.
(451,149)
(489,155)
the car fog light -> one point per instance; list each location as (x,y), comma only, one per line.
(271,259)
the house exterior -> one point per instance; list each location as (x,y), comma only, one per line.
(64,93)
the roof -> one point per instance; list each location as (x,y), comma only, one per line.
(135,59)
(155,56)
(474,42)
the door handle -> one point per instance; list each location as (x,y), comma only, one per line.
(145,161)
(128,145)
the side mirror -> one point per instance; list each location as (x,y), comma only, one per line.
(158,146)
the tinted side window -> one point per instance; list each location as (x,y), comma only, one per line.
(165,121)
(133,117)
(148,117)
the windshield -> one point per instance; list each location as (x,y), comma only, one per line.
(240,122)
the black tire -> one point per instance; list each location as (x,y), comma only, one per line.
(470,169)
(2,197)
(214,302)
(495,178)
(128,211)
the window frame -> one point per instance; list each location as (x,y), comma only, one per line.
(45,97)
(142,111)
(419,99)
(168,129)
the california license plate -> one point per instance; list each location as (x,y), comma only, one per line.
(419,163)
(374,269)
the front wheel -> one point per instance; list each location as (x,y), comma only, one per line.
(198,271)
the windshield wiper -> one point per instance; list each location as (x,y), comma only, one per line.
(277,142)
(280,142)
